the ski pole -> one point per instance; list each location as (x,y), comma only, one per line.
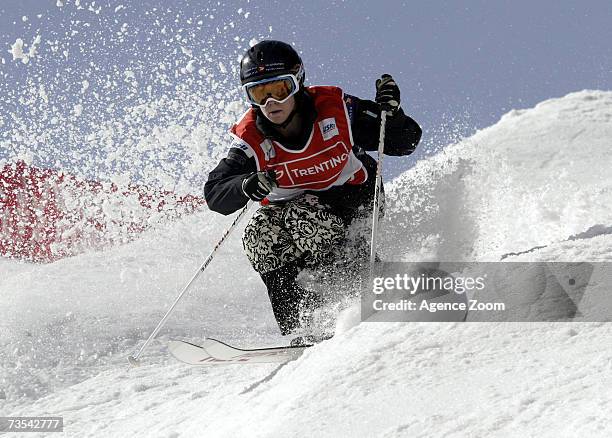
(133,360)
(377,190)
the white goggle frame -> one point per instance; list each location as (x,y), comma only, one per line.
(292,77)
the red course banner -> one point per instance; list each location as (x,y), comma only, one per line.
(47,214)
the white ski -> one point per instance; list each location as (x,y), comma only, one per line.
(213,352)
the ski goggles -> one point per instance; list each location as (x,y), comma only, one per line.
(279,89)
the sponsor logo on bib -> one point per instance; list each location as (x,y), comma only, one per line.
(329,128)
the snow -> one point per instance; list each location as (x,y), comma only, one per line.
(17,51)
(78,110)
(190,68)
(127,91)
(537,178)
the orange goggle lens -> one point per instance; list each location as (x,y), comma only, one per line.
(277,90)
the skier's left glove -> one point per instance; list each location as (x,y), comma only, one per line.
(387,94)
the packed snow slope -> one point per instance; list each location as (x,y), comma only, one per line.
(537,180)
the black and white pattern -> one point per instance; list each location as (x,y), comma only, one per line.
(281,233)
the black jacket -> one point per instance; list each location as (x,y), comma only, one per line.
(223,190)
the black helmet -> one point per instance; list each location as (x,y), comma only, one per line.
(268,59)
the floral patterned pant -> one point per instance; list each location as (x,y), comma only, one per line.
(281,233)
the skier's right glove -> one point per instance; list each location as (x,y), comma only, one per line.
(258,185)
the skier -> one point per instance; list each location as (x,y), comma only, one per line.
(301,150)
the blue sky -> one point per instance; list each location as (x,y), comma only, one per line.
(460,65)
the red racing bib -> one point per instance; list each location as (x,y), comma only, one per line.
(326,160)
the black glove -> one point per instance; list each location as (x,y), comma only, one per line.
(258,185)
(387,94)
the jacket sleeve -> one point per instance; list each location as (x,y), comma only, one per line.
(402,133)
(223,190)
